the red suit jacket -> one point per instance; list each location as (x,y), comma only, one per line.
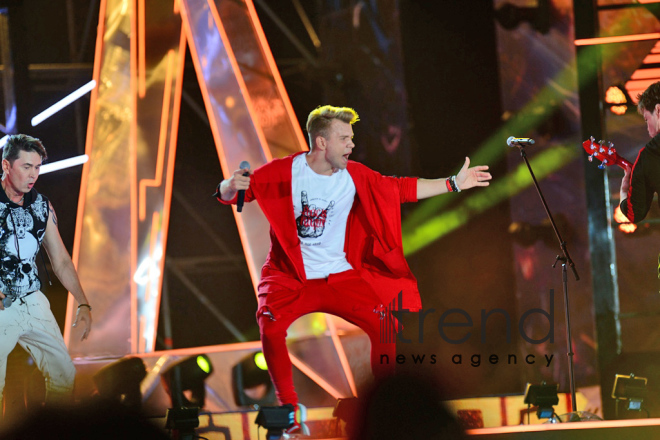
(373,243)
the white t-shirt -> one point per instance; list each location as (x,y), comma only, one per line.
(321,205)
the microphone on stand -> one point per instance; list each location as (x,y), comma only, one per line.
(517,142)
(245,165)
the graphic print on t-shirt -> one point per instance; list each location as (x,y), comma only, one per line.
(311,221)
(321,204)
(22,229)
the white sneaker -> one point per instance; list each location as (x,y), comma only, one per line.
(299,429)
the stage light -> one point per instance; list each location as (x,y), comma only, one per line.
(62,164)
(630,388)
(617,99)
(189,375)
(260,361)
(204,364)
(121,381)
(50,111)
(543,396)
(182,422)
(275,419)
(251,382)
(55,166)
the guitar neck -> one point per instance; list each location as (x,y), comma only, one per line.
(623,163)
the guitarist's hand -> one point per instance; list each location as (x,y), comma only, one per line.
(625,183)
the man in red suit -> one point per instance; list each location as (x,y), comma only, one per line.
(335,229)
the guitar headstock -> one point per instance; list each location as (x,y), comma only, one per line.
(605,152)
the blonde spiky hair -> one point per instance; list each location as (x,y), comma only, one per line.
(320,118)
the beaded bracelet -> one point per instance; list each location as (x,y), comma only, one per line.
(454,185)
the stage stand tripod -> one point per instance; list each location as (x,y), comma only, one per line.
(574,415)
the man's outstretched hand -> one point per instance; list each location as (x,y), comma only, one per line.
(470,177)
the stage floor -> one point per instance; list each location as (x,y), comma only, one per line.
(241,426)
(596,430)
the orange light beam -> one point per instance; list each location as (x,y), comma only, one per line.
(133,173)
(174,131)
(162,139)
(304,368)
(241,82)
(142,70)
(652,59)
(639,84)
(268,55)
(619,39)
(254,271)
(341,353)
(646,73)
(208,349)
(98,56)
(202,85)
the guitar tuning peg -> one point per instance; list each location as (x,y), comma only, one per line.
(592,139)
(601,166)
(591,158)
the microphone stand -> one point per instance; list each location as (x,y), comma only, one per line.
(565,260)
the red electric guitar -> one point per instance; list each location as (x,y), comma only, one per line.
(605,152)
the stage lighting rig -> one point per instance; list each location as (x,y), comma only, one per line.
(629,388)
(251,382)
(190,375)
(544,397)
(275,419)
(121,380)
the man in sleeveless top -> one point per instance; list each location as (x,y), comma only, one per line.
(336,247)
(28,220)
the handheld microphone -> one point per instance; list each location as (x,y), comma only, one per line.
(516,142)
(245,165)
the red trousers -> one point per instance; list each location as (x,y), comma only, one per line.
(345,295)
